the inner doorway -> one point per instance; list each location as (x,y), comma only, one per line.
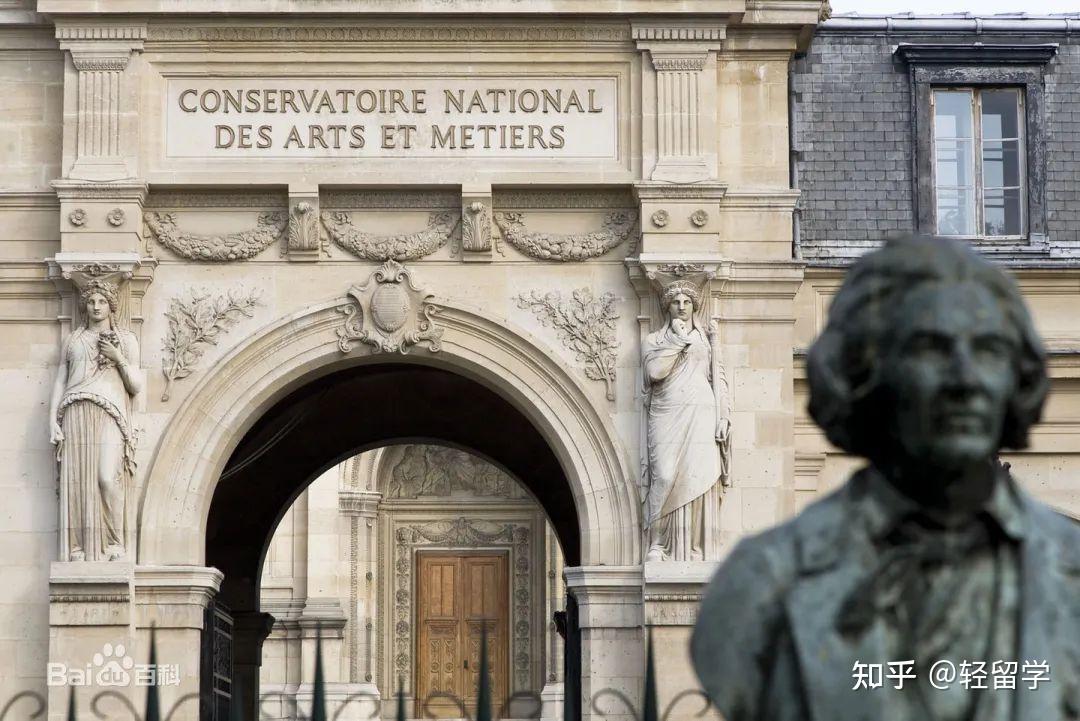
(459,595)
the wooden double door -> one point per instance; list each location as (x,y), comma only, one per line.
(458,594)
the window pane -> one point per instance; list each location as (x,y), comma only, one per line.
(1000,114)
(954,166)
(1001,163)
(952,114)
(955,211)
(1001,211)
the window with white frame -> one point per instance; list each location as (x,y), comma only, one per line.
(979,155)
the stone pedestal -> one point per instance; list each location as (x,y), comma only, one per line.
(90,612)
(672,594)
(612,648)
(551,702)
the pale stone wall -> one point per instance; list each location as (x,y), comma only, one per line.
(1048,469)
(31,83)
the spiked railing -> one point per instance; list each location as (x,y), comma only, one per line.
(649,709)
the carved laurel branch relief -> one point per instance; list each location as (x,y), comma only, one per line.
(405,246)
(616,228)
(585,325)
(389,313)
(226,246)
(195,322)
(461,532)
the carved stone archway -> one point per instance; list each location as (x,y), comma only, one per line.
(287,354)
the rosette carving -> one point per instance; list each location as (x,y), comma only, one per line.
(226,246)
(615,230)
(404,246)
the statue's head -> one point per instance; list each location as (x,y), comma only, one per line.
(929,354)
(100,299)
(680,299)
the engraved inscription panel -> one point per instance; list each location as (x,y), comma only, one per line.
(556,118)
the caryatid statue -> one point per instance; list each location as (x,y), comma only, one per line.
(688,430)
(90,424)
(929,587)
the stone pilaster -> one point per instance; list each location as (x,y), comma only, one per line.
(250,629)
(90,612)
(672,595)
(361,508)
(679,95)
(612,652)
(105,100)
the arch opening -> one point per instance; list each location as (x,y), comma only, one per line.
(344,413)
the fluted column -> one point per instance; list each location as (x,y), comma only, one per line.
(103,104)
(681,145)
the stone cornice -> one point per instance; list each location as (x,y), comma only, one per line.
(608,582)
(514,8)
(976,53)
(359,503)
(68,189)
(677,30)
(427,34)
(679,191)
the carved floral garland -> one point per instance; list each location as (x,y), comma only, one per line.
(616,229)
(227,246)
(405,246)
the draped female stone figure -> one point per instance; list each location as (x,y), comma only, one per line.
(90,424)
(688,420)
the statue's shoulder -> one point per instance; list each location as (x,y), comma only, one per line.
(816,531)
(1062,531)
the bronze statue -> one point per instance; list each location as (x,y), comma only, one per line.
(929,555)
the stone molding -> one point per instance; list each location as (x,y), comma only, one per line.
(109,31)
(89,593)
(653,191)
(169,200)
(453,34)
(71,189)
(390,198)
(364,504)
(607,596)
(977,53)
(678,30)
(559,199)
(672,591)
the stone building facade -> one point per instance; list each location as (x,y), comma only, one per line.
(864,151)
(243,255)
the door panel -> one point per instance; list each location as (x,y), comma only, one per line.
(457,596)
